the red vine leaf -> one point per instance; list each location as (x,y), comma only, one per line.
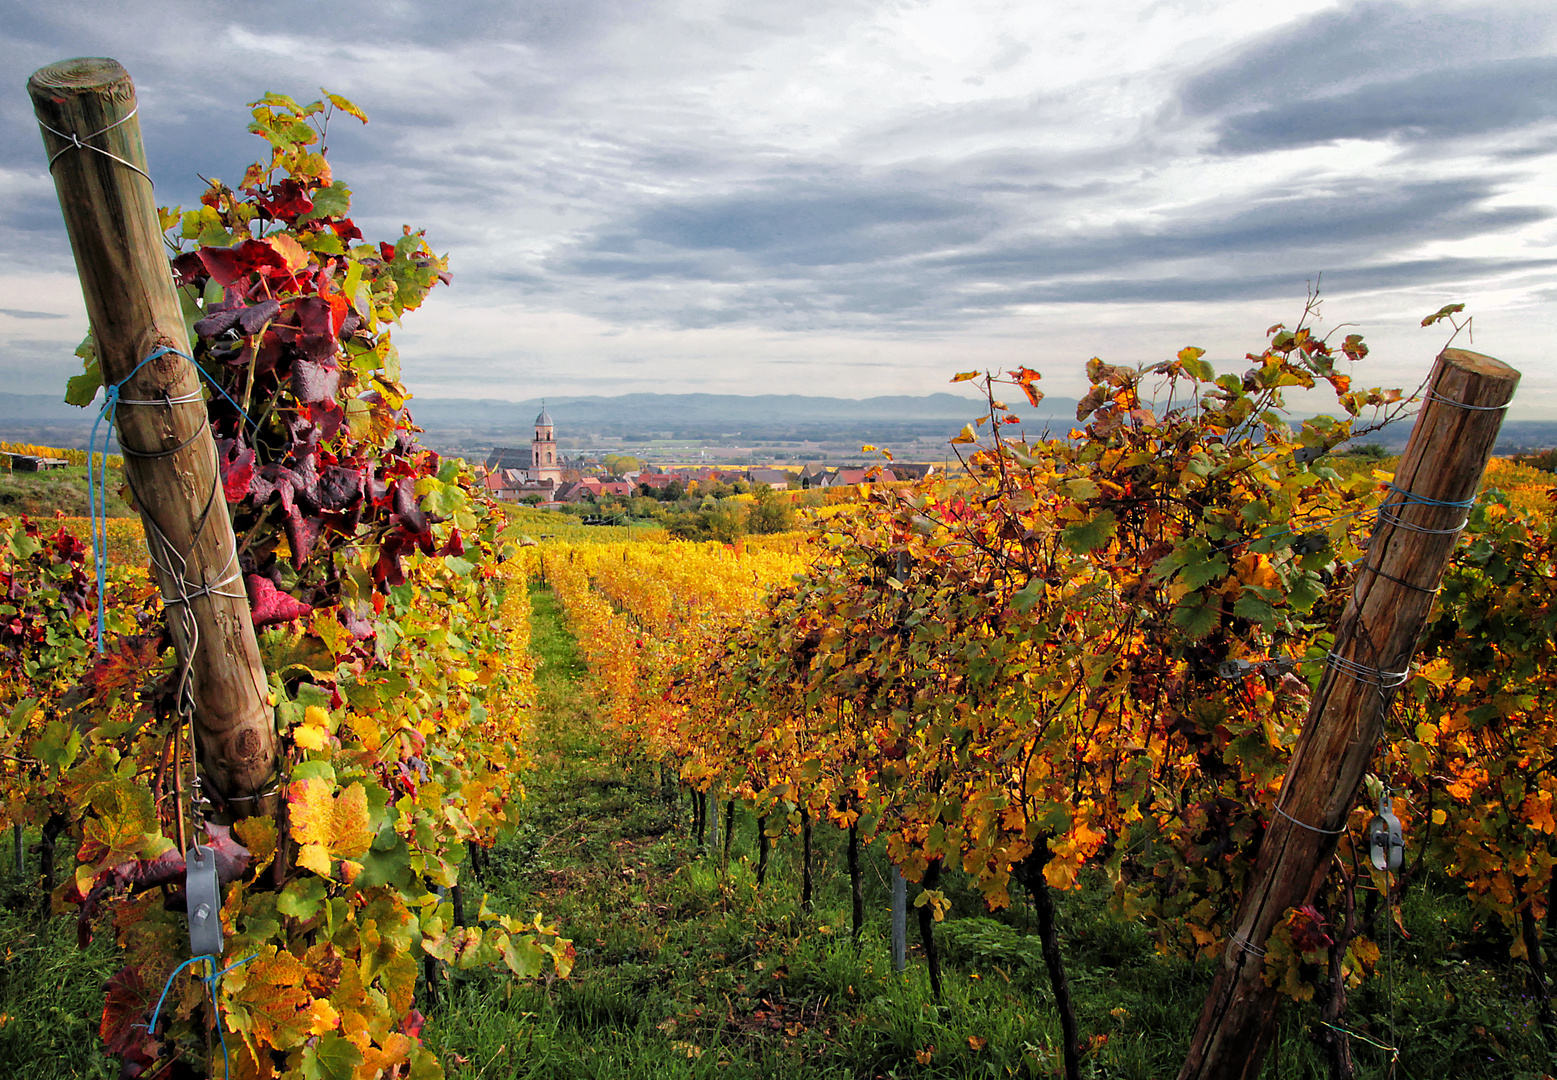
(124,1011)
(270,605)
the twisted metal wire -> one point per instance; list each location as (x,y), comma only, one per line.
(74,142)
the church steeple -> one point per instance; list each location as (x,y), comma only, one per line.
(544,463)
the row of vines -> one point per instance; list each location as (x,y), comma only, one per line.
(1099,650)
(62,453)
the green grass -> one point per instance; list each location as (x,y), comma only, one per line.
(687,969)
(51,992)
(39,495)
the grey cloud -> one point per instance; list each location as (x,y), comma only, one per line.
(1430,105)
(1347,221)
(16,313)
(808,227)
(1526,149)
(873,252)
(1340,50)
(1182,288)
(545,23)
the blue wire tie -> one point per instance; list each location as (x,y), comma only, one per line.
(97,494)
(210,985)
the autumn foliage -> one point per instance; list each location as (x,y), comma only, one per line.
(395,643)
(1097,650)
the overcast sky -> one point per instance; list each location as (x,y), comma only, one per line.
(856,197)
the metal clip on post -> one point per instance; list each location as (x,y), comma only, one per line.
(1386,846)
(202,886)
(203,890)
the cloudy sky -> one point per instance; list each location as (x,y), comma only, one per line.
(853,197)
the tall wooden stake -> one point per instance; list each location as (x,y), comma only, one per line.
(87,111)
(1412,541)
(899,920)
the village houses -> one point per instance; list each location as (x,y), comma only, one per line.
(514,474)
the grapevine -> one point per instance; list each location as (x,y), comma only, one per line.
(391,633)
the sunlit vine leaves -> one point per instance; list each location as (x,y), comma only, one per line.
(394,642)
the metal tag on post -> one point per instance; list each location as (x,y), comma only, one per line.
(1386,846)
(203,889)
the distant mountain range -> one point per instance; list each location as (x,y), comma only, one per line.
(702,413)
(463,424)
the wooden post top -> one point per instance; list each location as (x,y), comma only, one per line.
(86,74)
(1478,364)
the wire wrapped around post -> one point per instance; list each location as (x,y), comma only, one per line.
(86,111)
(1414,534)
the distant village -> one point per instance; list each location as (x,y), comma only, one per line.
(538,474)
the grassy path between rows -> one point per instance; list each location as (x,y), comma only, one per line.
(687,969)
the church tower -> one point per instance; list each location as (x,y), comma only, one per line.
(544,463)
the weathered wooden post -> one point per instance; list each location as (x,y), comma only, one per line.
(899,882)
(86,109)
(899,920)
(1416,532)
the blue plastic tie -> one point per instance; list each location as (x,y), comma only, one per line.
(97,494)
(1422,500)
(210,985)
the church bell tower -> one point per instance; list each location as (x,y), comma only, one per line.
(544,463)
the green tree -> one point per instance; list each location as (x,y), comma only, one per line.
(771,513)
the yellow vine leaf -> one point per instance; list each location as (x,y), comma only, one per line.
(328,827)
(123,820)
(336,637)
(269,1003)
(258,834)
(309,738)
(314,732)
(1255,569)
(1537,810)
(290,250)
(345,106)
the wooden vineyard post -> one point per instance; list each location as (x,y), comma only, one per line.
(86,109)
(1417,528)
(899,920)
(899,882)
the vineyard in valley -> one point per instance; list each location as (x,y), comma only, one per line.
(517,797)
